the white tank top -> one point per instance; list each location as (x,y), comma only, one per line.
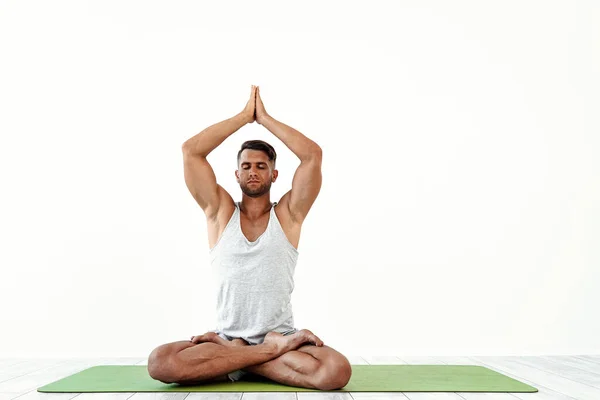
(254,280)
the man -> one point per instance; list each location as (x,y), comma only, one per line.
(253,250)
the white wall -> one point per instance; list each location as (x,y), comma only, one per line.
(459,207)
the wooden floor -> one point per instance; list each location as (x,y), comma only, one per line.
(556,377)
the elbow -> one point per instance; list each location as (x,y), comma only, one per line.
(186,149)
(315,152)
(318,150)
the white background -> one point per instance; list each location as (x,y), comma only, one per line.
(459,208)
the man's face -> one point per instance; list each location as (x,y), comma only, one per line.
(255,166)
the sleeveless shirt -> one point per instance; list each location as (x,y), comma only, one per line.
(254,280)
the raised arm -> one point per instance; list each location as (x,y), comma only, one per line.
(306,184)
(198,173)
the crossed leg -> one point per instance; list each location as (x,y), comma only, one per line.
(176,347)
(308,366)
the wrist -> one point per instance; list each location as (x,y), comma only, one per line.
(274,349)
(242,118)
(266,118)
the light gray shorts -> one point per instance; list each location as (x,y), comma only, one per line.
(237,375)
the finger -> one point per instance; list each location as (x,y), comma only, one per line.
(221,341)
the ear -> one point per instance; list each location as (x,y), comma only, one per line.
(237,175)
(275,175)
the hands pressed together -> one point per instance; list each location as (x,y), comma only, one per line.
(255,109)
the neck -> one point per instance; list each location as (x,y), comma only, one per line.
(255,207)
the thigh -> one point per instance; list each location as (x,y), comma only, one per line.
(169,349)
(172,349)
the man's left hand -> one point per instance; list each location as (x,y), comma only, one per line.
(261,113)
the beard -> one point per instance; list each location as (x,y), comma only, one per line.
(255,190)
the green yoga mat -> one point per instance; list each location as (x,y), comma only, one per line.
(365,378)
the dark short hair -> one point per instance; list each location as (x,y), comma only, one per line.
(258,145)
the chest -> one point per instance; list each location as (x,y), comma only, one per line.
(252,230)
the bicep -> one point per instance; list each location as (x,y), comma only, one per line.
(306,186)
(201,181)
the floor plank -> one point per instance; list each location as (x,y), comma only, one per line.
(215,396)
(28,384)
(378,396)
(354,359)
(418,360)
(557,385)
(432,396)
(594,359)
(564,370)
(34,395)
(105,396)
(10,362)
(169,396)
(577,362)
(23,368)
(383,360)
(271,396)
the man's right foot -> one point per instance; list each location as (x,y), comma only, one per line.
(293,341)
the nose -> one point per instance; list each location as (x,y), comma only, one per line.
(253,174)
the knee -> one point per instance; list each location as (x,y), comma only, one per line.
(160,365)
(334,374)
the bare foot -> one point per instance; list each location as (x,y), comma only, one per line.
(276,340)
(293,341)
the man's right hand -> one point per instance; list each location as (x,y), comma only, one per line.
(214,337)
(287,343)
(249,111)
(207,337)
